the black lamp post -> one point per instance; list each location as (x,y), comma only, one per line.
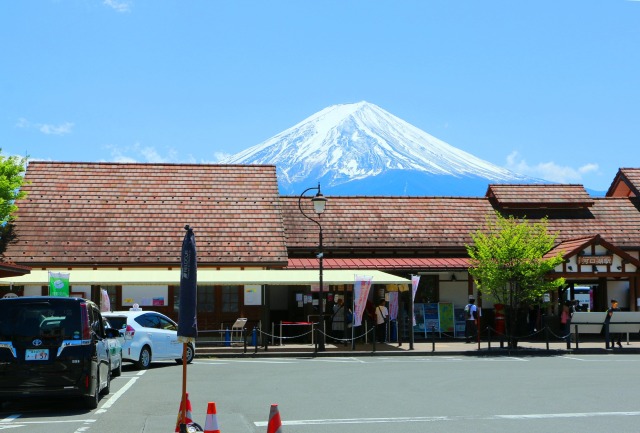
(319,203)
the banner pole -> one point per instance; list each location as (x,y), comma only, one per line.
(183,423)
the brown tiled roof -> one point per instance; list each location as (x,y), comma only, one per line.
(626,183)
(441,225)
(539,196)
(615,219)
(134,214)
(569,247)
(404,224)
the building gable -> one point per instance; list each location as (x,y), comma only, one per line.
(593,255)
(626,183)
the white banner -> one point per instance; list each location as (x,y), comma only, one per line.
(393,305)
(361,288)
(415,280)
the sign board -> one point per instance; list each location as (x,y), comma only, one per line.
(595,260)
(239,324)
(252,294)
(625,321)
(446,317)
(591,323)
(587,323)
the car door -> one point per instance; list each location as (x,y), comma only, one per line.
(155,327)
(102,347)
(171,329)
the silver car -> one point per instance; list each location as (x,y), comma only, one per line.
(114,345)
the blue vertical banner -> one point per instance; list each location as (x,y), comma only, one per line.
(187,312)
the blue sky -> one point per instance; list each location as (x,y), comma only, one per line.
(547,88)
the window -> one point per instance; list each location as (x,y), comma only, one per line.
(206,299)
(230,299)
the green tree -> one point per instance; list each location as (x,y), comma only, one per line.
(509,265)
(11,179)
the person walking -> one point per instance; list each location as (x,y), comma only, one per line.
(610,339)
(470,316)
(381,321)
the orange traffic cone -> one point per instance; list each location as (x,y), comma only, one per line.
(211,423)
(275,425)
(188,418)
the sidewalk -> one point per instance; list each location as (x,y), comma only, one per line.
(421,348)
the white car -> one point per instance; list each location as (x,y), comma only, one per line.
(149,336)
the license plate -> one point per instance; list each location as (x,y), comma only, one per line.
(36,355)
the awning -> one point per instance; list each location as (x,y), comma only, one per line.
(112,277)
(13,270)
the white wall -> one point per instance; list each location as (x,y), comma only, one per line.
(145,295)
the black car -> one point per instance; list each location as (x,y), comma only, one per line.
(53,346)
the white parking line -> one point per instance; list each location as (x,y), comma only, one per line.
(118,394)
(65,421)
(401,420)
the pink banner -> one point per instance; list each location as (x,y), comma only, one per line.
(361,288)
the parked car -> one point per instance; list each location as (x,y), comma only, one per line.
(53,346)
(149,336)
(114,342)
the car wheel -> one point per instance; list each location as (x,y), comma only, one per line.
(190,355)
(118,370)
(107,389)
(145,358)
(91,401)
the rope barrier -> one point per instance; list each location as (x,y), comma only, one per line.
(489,330)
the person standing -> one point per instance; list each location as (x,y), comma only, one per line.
(565,320)
(381,321)
(337,320)
(470,316)
(609,339)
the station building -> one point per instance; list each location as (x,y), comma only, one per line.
(118,228)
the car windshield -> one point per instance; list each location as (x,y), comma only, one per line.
(39,319)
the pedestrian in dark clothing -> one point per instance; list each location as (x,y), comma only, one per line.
(610,338)
(470,320)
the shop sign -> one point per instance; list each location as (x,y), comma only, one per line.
(595,260)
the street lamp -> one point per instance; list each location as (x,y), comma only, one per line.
(319,203)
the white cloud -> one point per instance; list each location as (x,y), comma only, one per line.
(46,128)
(139,153)
(550,170)
(62,129)
(118,5)
(149,154)
(221,156)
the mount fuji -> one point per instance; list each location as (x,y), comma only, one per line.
(361,149)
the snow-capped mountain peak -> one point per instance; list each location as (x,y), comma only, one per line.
(348,142)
